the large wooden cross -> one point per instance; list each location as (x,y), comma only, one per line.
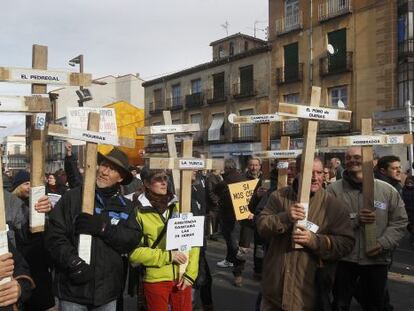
(284,154)
(39,77)
(264,120)
(366,141)
(92,137)
(311,115)
(170,130)
(186,165)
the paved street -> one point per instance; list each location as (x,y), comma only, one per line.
(229,298)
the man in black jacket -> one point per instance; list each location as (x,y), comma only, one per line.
(114,231)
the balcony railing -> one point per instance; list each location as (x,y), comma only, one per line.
(246,132)
(406,48)
(216,95)
(157,107)
(288,74)
(294,127)
(194,100)
(175,103)
(332,8)
(245,88)
(289,23)
(335,64)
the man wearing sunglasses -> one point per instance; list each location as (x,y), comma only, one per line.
(114,231)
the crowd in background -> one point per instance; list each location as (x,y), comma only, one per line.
(262,235)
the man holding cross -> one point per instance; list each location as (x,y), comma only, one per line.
(370,267)
(114,231)
(289,281)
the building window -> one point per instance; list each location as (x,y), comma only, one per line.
(293,98)
(338,96)
(196,118)
(220,51)
(246,45)
(337,60)
(405,83)
(16,149)
(246,130)
(246,86)
(176,95)
(196,86)
(176,121)
(291,58)
(218,86)
(157,99)
(291,10)
(231,49)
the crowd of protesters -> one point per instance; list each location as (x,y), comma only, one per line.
(322,265)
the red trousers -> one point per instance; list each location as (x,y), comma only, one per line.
(159,295)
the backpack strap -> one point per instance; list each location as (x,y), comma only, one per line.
(164,229)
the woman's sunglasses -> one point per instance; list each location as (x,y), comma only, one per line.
(160,178)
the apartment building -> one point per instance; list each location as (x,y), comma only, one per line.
(358,51)
(235,81)
(347,47)
(14,153)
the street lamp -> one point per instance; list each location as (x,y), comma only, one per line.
(83,94)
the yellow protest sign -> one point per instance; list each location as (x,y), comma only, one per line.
(241,194)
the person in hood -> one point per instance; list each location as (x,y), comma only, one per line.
(163,284)
(96,285)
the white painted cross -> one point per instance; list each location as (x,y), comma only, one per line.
(283,154)
(367,140)
(312,114)
(93,137)
(264,120)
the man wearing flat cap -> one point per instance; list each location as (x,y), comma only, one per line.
(114,230)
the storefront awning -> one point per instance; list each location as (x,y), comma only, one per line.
(214,130)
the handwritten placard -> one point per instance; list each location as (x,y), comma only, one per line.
(185,232)
(241,194)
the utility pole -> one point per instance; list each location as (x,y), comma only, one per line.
(410,130)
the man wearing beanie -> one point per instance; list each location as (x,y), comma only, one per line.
(114,230)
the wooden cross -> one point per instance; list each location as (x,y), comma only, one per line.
(311,114)
(169,130)
(367,140)
(264,120)
(284,154)
(4,244)
(39,77)
(186,165)
(92,136)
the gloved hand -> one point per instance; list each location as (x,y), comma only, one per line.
(79,271)
(89,224)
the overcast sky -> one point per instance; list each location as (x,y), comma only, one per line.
(149,37)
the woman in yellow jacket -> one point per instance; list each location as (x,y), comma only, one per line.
(162,283)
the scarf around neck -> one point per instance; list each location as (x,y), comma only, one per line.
(158,201)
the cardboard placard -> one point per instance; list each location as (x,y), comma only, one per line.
(241,194)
